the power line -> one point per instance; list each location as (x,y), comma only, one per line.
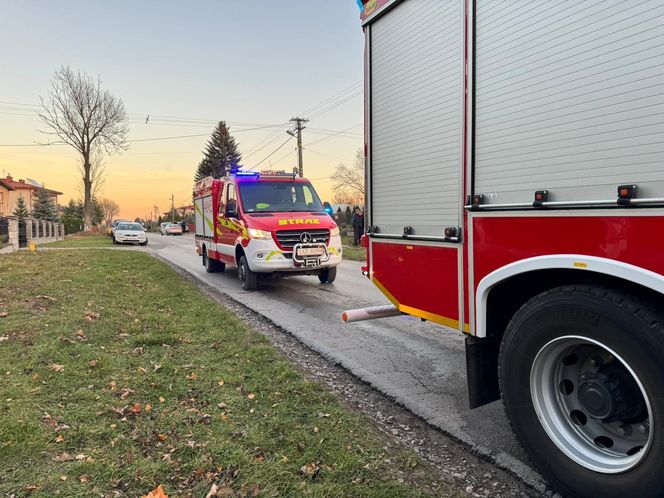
(270,154)
(329,99)
(335,134)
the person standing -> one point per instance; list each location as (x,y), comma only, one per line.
(358,225)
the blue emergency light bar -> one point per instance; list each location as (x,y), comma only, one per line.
(247,173)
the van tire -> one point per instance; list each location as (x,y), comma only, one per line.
(560,345)
(328,275)
(248,278)
(212,265)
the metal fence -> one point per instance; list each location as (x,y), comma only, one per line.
(4,231)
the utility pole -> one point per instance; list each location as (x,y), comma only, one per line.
(297,132)
(172,208)
(156,214)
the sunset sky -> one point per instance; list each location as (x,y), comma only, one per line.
(252,63)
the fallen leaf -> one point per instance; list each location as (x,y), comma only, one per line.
(193,376)
(158,492)
(221,406)
(3,338)
(161,399)
(32,487)
(3,314)
(135,408)
(84,478)
(141,370)
(251,396)
(57,368)
(148,407)
(309,470)
(220,492)
(156,367)
(92,363)
(63,457)
(63,478)
(81,456)
(48,298)
(221,382)
(316,430)
(60,438)
(162,437)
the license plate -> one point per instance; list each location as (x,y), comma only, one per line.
(310,252)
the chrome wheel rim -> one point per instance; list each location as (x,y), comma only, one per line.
(591,404)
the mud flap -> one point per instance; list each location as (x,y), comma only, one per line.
(482,370)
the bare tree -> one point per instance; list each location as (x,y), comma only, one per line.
(348,180)
(111,210)
(91,120)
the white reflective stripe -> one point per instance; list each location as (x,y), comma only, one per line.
(618,269)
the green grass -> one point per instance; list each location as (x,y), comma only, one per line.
(117,376)
(83,240)
(355,253)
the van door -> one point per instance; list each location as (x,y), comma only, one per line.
(228,221)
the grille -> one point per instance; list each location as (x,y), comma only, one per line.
(288,238)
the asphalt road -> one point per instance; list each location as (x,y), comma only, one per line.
(421,365)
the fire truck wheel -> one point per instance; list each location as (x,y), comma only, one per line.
(581,378)
(212,265)
(248,278)
(328,275)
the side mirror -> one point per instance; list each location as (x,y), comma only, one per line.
(328,208)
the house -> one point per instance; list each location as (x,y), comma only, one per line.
(26,189)
(4,198)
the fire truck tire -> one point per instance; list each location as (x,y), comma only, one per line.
(212,265)
(248,278)
(328,275)
(582,384)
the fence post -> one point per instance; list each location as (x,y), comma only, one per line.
(13,232)
(28,230)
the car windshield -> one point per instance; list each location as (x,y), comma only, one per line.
(130,226)
(278,197)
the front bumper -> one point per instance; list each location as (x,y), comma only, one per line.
(131,240)
(265,257)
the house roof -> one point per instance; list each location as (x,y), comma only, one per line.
(23,185)
(5,185)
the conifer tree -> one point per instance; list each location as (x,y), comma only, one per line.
(72,217)
(21,210)
(44,208)
(220,154)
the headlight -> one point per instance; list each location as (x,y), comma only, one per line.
(259,234)
(334,232)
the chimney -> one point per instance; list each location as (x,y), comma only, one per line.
(21,181)
(9,178)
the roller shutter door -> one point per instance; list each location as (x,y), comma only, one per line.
(416,116)
(569,98)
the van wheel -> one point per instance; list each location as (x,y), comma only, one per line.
(580,376)
(328,275)
(248,278)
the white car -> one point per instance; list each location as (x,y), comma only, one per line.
(130,233)
(170,229)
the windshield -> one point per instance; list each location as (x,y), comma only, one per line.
(130,226)
(278,197)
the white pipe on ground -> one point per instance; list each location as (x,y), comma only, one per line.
(370,313)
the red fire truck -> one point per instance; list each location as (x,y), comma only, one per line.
(515,177)
(265,223)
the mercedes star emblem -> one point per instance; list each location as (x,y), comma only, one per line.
(305,238)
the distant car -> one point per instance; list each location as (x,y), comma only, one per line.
(171,229)
(130,233)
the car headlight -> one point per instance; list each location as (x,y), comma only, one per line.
(334,232)
(259,234)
